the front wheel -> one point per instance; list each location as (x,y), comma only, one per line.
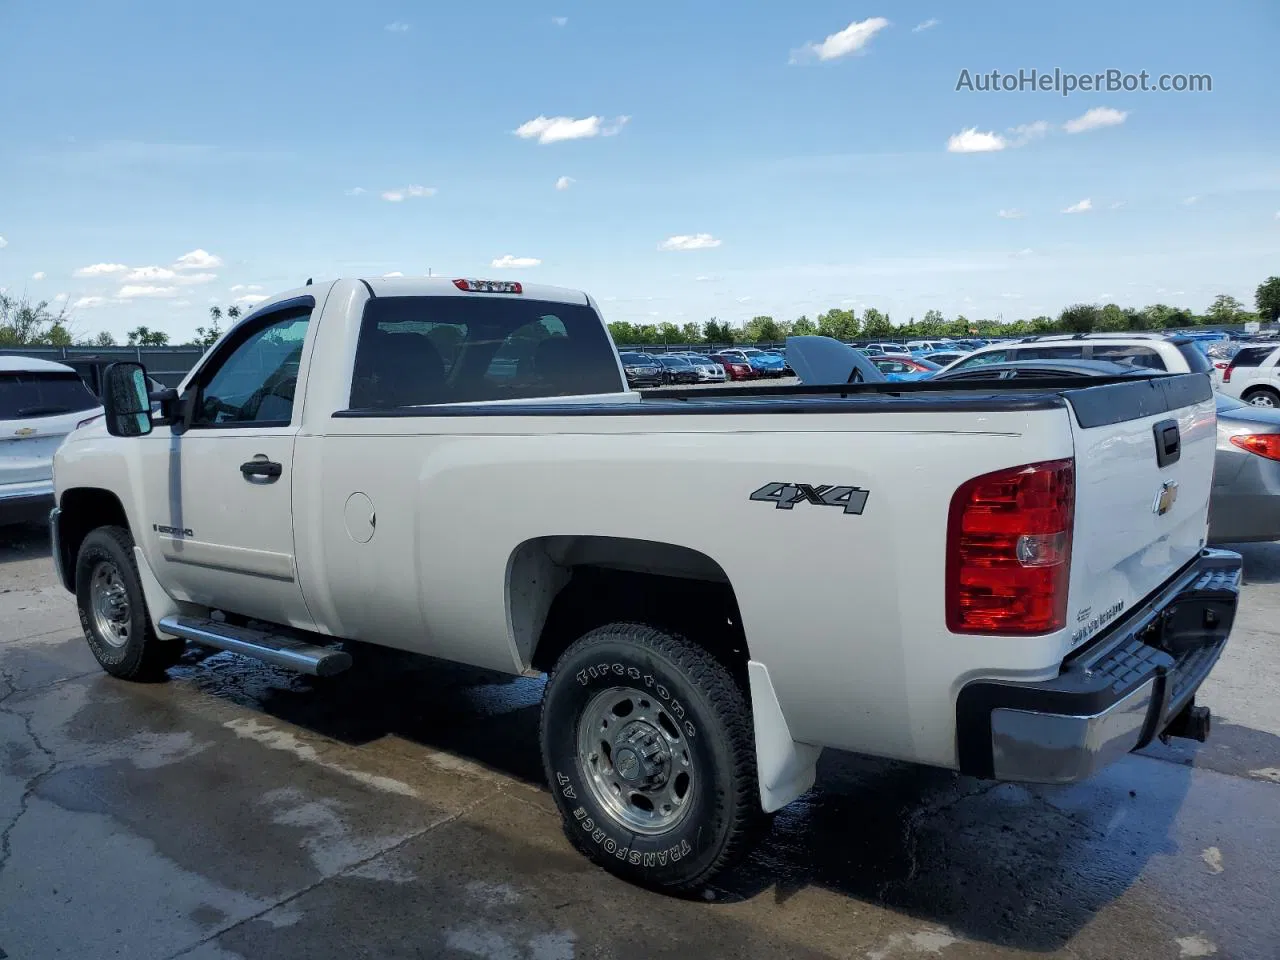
(648,747)
(113,610)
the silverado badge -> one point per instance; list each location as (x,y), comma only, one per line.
(1165,498)
(24,431)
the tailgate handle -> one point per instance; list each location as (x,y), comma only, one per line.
(1168,442)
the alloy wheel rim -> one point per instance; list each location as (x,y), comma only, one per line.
(636,761)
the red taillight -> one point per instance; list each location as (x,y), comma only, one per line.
(1226,374)
(1009,550)
(1263,444)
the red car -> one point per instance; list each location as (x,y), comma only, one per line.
(735,365)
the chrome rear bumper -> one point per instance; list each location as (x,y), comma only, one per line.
(1112,697)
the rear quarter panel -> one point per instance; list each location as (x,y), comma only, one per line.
(845,610)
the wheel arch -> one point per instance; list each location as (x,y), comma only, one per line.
(558,588)
(82,510)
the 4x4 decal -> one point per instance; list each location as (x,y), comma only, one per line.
(784,496)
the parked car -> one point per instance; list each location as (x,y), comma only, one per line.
(902,368)
(764,363)
(677,369)
(928,346)
(1154,351)
(1006,611)
(945,358)
(1253,376)
(642,370)
(1245,505)
(40,403)
(708,370)
(736,365)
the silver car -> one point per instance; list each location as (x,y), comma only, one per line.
(1245,503)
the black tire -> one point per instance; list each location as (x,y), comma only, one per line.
(1266,392)
(719,816)
(128,649)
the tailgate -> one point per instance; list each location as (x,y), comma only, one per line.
(1144,469)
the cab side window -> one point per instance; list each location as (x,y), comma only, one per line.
(253,383)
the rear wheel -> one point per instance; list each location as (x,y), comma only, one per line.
(1263,397)
(113,610)
(649,753)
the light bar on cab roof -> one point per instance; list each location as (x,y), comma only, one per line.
(489,286)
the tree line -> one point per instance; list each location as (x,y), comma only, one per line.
(875,325)
(27,323)
(24,323)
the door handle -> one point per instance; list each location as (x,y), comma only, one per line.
(267,469)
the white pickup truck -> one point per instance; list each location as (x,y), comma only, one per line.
(1008,579)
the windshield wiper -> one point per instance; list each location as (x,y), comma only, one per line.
(39,411)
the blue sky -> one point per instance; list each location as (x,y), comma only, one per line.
(802,155)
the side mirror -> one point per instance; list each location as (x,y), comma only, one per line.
(126,401)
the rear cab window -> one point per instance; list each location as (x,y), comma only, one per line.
(1197,360)
(51,393)
(426,350)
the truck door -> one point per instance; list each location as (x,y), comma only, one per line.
(220,531)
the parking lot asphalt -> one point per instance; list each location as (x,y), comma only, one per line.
(236,810)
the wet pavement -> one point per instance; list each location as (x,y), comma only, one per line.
(236,810)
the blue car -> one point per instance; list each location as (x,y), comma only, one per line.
(765,364)
(903,368)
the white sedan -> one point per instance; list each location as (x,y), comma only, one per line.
(40,403)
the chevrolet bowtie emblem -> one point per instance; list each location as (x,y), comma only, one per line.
(1166,498)
(24,431)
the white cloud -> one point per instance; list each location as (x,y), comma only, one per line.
(101,269)
(131,291)
(705,279)
(563,183)
(180,303)
(147,274)
(1012,296)
(687,241)
(197,260)
(743,299)
(555,129)
(971,140)
(3,243)
(1278,214)
(559,21)
(1012,213)
(398,26)
(1118,204)
(246,287)
(59,298)
(192,279)
(38,275)
(1189,201)
(1024,252)
(249,299)
(1084,206)
(507,262)
(413,190)
(393,273)
(927,25)
(354,191)
(1095,119)
(88,302)
(851,39)
(1025,133)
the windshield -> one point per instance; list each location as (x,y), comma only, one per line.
(674,362)
(1223,402)
(635,359)
(24,395)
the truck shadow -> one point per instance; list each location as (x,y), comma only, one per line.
(1021,866)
